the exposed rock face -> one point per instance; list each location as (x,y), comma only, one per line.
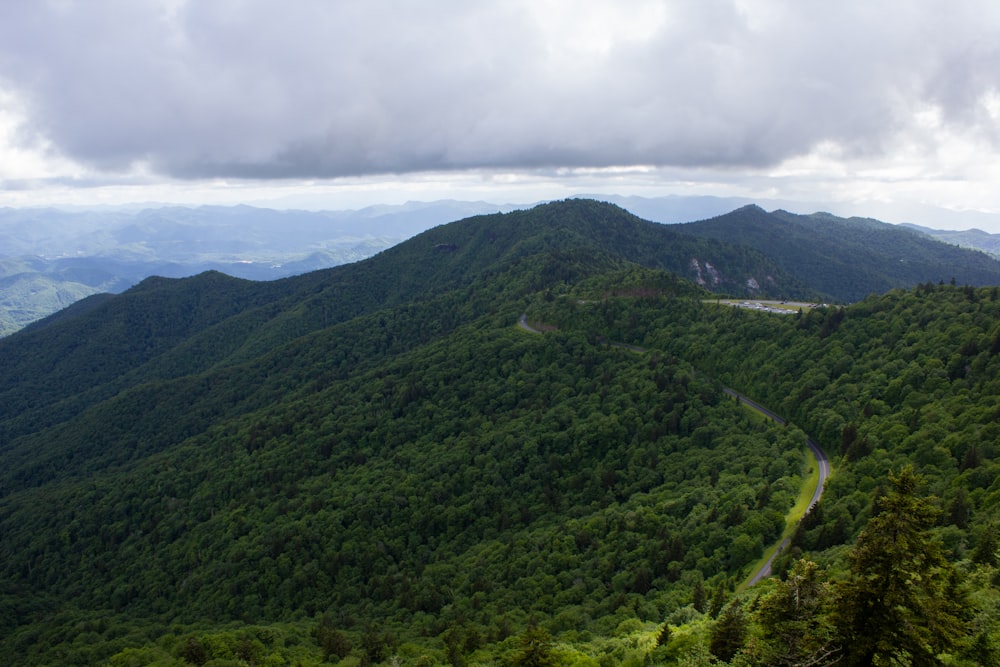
(705,273)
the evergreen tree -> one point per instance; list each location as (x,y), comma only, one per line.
(699,597)
(985,552)
(900,603)
(729,632)
(793,619)
(664,635)
(535,648)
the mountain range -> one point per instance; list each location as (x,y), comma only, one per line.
(373,464)
(52,258)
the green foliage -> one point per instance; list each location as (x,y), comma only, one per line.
(795,628)
(729,632)
(364,464)
(848,259)
(901,602)
(534,648)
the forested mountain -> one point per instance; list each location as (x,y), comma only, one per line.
(849,258)
(50,258)
(969,238)
(373,464)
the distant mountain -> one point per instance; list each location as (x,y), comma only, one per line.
(848,258)
(555,242)
(975,239)
(51,257)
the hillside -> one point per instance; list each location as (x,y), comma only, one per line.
(164,329)
(49,258)
(373,462)
(976,239)
(849,258)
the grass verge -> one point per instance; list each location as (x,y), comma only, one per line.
(794,516)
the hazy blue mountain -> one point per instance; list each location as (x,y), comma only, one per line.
(976,239)
(50,257)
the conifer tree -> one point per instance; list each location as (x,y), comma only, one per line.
(729,632)
(793,620)
(985,552)
(900,603)
(535,648)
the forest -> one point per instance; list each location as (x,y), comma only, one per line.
(349,469)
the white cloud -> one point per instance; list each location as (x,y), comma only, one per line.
(862,97)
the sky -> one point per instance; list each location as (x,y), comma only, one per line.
(866,105)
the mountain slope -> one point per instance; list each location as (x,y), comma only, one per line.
(373,460)
(378,444)
(848,258)
(975,239)
(220,320)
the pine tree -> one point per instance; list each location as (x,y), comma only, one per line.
(664,635)
(729,632)
(985,552)
(699,599)
(900,603)
(793,619)
(535,648)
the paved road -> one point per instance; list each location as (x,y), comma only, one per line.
(523,323)
(822,462)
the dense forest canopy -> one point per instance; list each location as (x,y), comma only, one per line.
(365,466)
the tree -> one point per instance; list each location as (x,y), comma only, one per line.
(535,648)
(729,632)
(793,619)
(985,552)
(663,637)
(699,599)
(900,603)
(332,640)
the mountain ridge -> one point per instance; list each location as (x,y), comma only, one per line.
(77,253)
(373,458)
(849,258)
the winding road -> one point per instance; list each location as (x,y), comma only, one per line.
(822,462)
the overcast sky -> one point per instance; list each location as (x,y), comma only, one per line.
(358,102)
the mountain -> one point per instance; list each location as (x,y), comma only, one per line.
(975,239)
(372,463)
(52,257)
(848,258)
(162,329)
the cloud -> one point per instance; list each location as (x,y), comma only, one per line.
(315,89)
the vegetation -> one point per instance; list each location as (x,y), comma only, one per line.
(849,259)
(366,467)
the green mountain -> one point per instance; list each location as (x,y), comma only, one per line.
(374,464)
(976,239)
(849,258)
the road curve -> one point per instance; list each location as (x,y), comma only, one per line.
(523,323)
(822,462)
